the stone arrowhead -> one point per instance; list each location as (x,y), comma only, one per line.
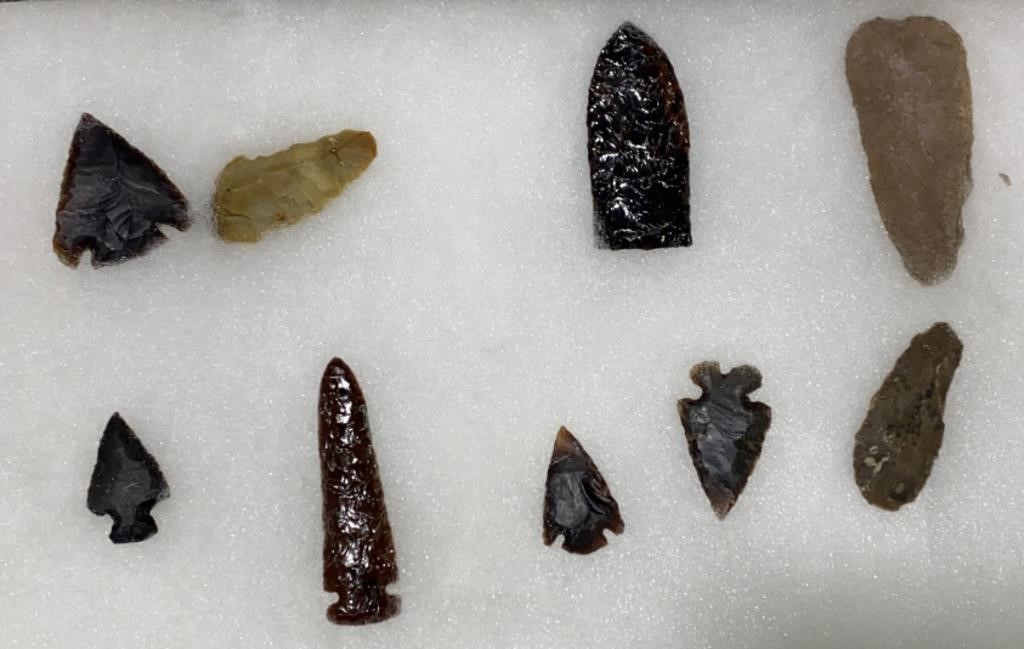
(901,435)
(112,199)
(358,552)
(639,142)
(256,195)
(126,483)
(724,430)
(912,94)
(578,506)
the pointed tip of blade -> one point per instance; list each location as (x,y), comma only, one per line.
(338,367)
(118,428)
(565,439)
(88,122)
(630,31)
(722,502)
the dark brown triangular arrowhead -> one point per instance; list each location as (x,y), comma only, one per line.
(126,483)
(912,93)
(639,142)
(112,199)
(577,502)
(901,435)
(359,553)
(724,430)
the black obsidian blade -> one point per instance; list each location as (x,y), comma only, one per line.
(639,146)
(359,553)
(112,199)
(577,502)
(724,430)
(126,483)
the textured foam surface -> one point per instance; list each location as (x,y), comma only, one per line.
(459,278)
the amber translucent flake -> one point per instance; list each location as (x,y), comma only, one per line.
(359,554)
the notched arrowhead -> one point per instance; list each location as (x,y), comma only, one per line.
(912,93)
(112,199)
(902,433)
(577,502)
(639,142)
(724,430)
(126,483)
(260,194)
(359,553)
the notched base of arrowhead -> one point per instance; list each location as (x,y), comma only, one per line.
(373,606)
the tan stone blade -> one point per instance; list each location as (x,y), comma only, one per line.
(260,194)
(912,94)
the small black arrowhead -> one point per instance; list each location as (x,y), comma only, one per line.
(126,483)
(112,199)
(724,430)
(577,503)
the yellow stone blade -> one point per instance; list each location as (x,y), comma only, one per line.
(260,194)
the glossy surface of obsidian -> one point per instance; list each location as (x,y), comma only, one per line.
(724,430)
(126,484)
(112,199)
(639,146)
(903,430)
(359,553)
(577,502)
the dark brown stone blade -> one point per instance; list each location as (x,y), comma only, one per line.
(359,553)
(126,483)
(912,94)
(724,430)
(901,435)
(112,199)
(577,502)
(639,146)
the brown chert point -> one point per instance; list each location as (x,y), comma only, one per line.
(912,94)
(901,435)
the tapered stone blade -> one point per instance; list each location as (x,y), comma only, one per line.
(126,483)
(902,433)
(578,506)
(724,430)
(359,553)
(268,192)
(639,141)
(912,94)
(113,199)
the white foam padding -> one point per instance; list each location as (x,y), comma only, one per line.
(459,278)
